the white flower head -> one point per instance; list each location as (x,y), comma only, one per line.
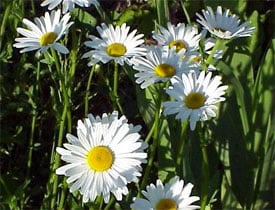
(68,5)
(195,97)
(116,44)
(44,33)
(159,65)
(105,156)
(180,36)
(172,195)
(224,25)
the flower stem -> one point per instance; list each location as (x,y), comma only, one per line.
(162,12)
(57,157)
(179,159)
(205,177)
(66,114)
(213,51)
(153,149)
(115,88)
(154,145)
(86,100)
(103,15)
(185,12)
(34,117)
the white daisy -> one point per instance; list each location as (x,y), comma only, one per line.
(105,156)
(224,25)
(159,65)
(116,44)
(195,96)
(174,196)
(181,36)
(68,5)
(44,33)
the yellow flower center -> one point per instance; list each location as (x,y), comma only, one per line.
(166,204)
(178,44)
(165,70)
(195,59)
(222,31)
(194,100)
(219,30)
(116,50)
(100,158)
(47,38)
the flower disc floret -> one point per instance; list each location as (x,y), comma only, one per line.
(48,38)
(178,44)
(167,204)
(116,50)
(165,70)
(100,158)
(194,100)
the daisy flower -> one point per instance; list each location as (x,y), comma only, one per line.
(44,33)
(181,36)
(104,157)
(224,25)
(68,5)
(159,65)
(171,196)
(195,96)
(116,44)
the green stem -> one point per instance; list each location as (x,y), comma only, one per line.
(57,157)
(4,23)
(66,114)
(162,12)
(185,12)
(154,145)
(213,51)
(34,118)
(33,7)
(110,203)
(153,149)
(64,87)
(205,177)
(115,88)
(179,159)
(86,99)
(56,62)
(103,15)
(149,135)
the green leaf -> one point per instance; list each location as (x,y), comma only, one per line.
(166,163)
(162,12)
(83,18)
(240,95)
(127,16)
(263,96)
(148,101)
(263,120)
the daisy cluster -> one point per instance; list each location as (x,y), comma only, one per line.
(107,152)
